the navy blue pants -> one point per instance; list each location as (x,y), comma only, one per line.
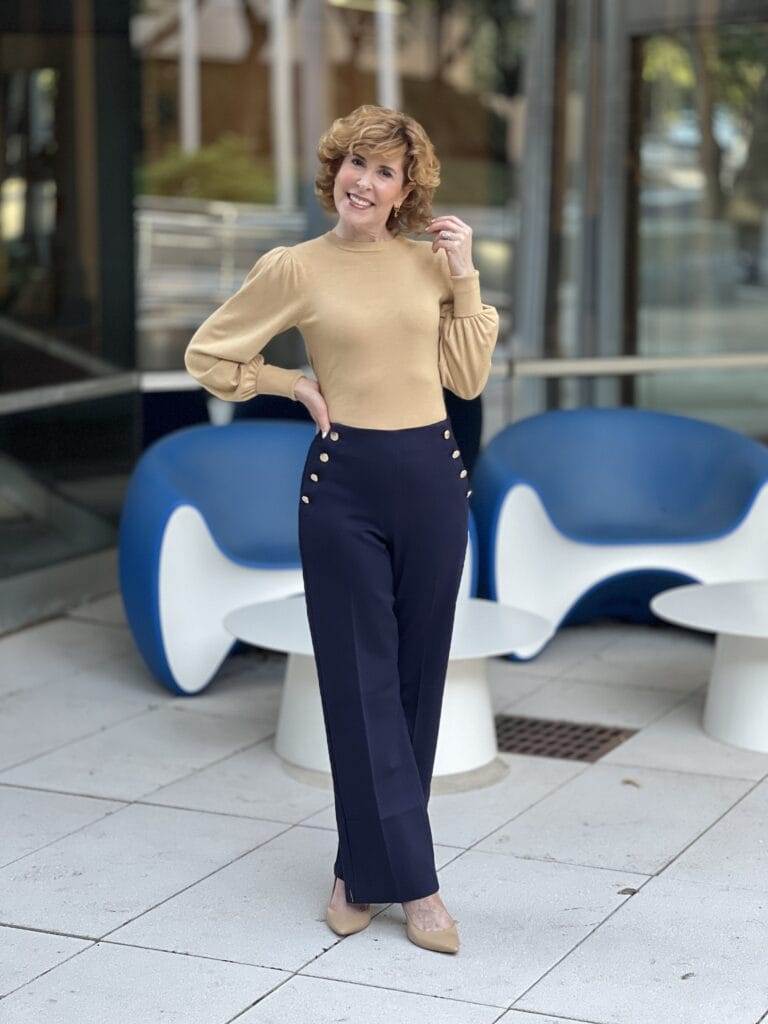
(383,519)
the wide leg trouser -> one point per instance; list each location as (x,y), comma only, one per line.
(383,518)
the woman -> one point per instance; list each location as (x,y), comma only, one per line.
(388,321)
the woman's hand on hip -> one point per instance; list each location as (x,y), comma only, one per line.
(307,391)
(453,235)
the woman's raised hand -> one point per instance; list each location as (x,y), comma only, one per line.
(453,235)
(307,391)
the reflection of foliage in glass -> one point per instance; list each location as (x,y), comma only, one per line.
(721,69)
(665,59)
(737,63)
(224,169)
(494,31)
(741,65)
(499,68)
(474,69)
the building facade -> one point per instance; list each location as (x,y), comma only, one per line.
(612,159)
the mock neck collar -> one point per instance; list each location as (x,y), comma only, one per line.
(352,245)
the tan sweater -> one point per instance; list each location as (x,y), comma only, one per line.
(385,327)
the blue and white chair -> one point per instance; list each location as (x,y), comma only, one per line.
(590,512)
(209,524)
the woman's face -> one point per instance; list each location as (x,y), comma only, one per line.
(375,177)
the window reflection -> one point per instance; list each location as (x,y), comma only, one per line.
(703,204)
(68,409)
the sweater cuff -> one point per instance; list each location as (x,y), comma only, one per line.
(297,377)
(267,379)
(466,294)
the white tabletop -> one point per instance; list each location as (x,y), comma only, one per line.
(481,627)
(739,608)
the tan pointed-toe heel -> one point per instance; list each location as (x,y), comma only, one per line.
(441,940)
(347,922)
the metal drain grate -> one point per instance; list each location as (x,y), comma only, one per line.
(547,737)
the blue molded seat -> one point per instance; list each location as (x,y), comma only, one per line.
(210,519)
(630,500)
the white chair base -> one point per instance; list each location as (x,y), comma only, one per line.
(198,585)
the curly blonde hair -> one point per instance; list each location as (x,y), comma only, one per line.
(382,130)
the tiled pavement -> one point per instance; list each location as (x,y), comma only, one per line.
(157,863)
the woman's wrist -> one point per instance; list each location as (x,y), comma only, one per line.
(298,386)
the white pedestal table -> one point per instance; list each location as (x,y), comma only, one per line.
(467,736)
(736,709)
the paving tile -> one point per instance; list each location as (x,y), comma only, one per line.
(629,707)
(253,692)
(135,757)
(628,819)
(123,985)
(508,682)
(96,879)
(44,719)
(733,854)
(254,783)
(677,952)
(56,649)
(463,819)
(318,1001)
(123,677)
(28,954)
(568,647)
(662,657)
(30,819)
(677,741)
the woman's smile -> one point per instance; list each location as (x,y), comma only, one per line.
(358,202)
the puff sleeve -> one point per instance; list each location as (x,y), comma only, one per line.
(469,330)
(224,354)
